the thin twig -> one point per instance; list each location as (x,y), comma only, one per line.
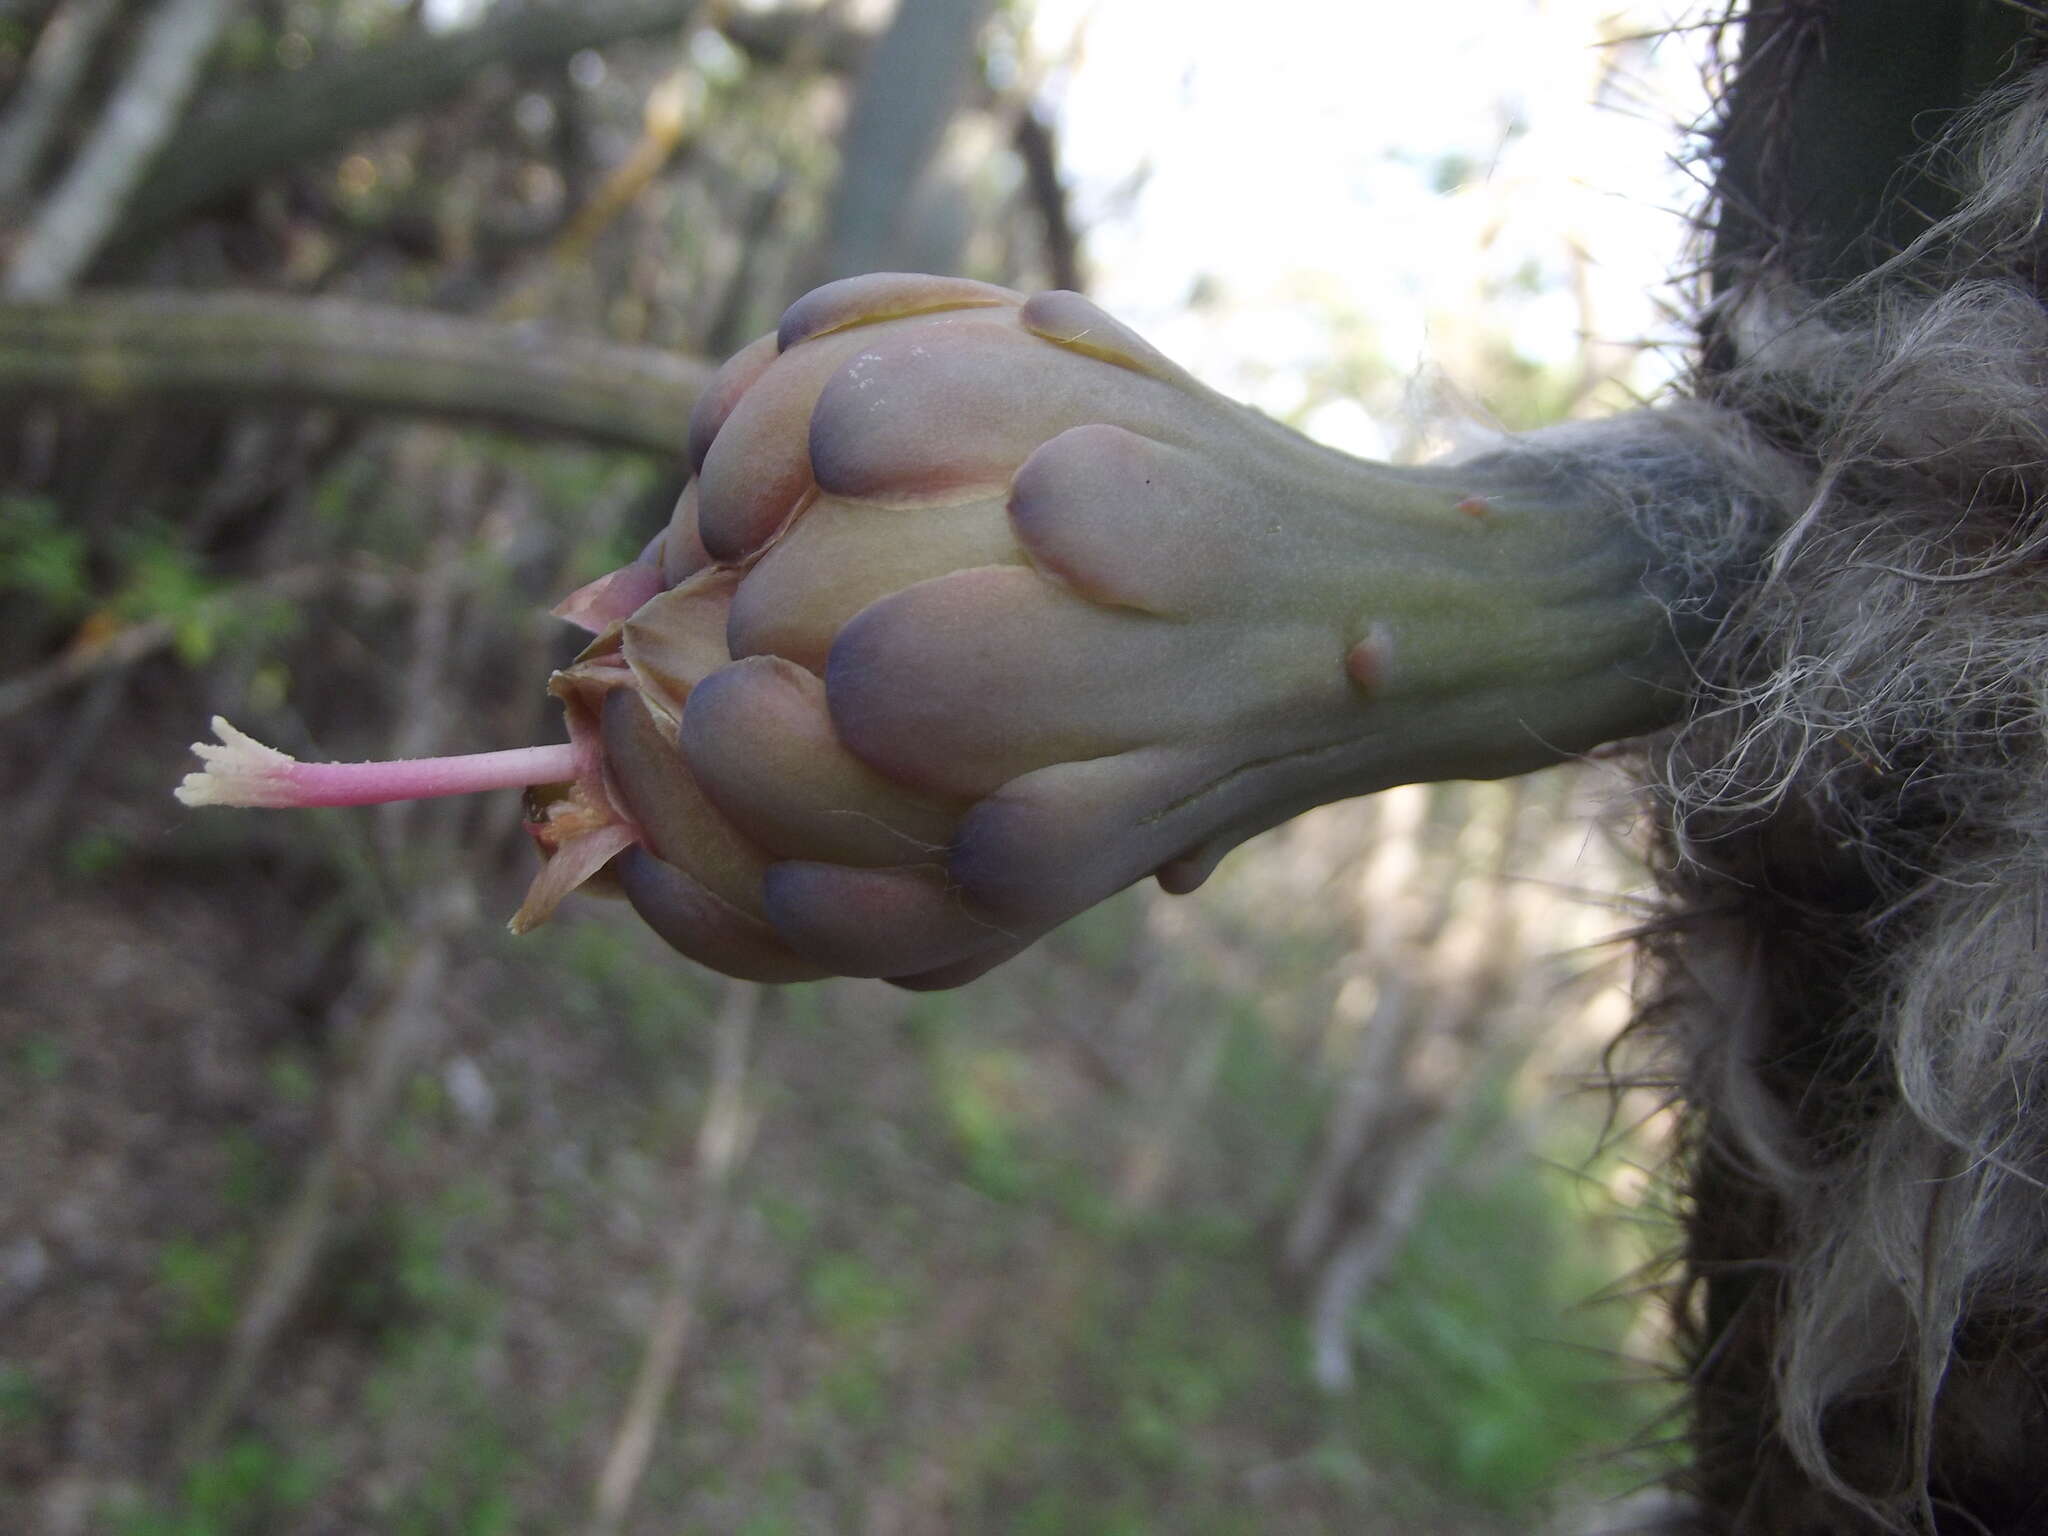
(1451,1010)
(723,1137)
(76,663)
(1149,1160)
(1371,1245)
(1367,1098)
(1391,892)
(1032,137)
(132,643)
(665,119)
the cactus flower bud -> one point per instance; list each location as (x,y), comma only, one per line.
(977,609)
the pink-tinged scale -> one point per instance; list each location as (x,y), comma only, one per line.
(699,926)
(1126,521)
(958,402)
(877,922)
(612,598)
(678,638)
(654,786)
(1071,321)
(758,737)
(842,556)
(757,473)
(959,684)
(878,297)
(734,378)
(681,545)
(1064,837)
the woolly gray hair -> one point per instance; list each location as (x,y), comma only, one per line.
(1850,975)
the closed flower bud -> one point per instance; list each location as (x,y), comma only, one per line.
(977,610)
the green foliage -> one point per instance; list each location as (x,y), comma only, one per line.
(146,574)
(850,1298)
(775,1518)
(398,1277)
(159,579)
(464,1491)
(787,1221)
(291,1078)
(253,1177)
(94,853)
(971,1303)
(242,1490)
(162,580)
(430,1394)
(202,1281)
(855,1393)
(614,977)
(41,1058)
(246,45)
(1270,1104)
(980,1095)
(41,557)
(1488,1372)
(1451,172)
(23,1401)
(1520,393)
(1103,937)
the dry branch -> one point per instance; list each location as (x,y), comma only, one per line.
(723,1137)
(1454,976)
(244,134)
(242,350)
(79,215)
(1032,138)
(49,82)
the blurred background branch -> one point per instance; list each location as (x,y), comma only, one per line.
(80,212)
(719,1148)
(49,81)
(112,350)
(911,85)
(272,124)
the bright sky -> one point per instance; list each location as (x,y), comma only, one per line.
(1287,160)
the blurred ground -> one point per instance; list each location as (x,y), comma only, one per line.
(1008,1259)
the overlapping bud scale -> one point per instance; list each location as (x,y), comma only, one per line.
(928,595)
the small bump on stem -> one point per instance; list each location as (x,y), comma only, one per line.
(1366,662)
